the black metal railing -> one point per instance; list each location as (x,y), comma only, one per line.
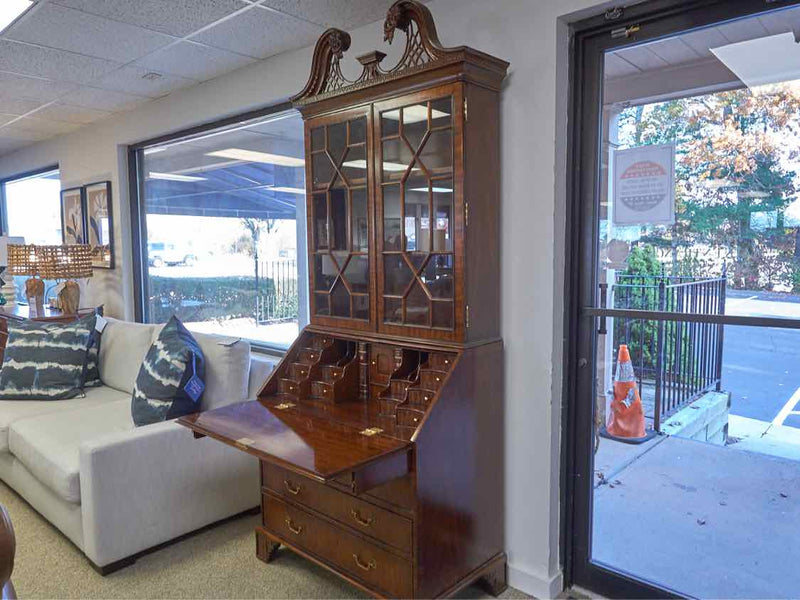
(675,362)
(277,299)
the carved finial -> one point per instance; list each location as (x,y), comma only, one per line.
(392,22)
(329,50)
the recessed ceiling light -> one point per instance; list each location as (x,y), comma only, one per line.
(387,166)
(259,157)
(288,190)
(436,190)
(174,177)
(11,10)
(762,61)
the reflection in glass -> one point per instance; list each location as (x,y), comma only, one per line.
(443,314)
(357,273)
(340,300)
(392,232)
(339,219)
(417,306)
(397,275)
(438,275)
(393,310)
(360,225)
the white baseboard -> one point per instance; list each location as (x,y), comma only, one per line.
(536,584)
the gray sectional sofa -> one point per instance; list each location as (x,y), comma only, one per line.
(114,489)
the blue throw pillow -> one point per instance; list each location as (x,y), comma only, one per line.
(45,360)
(171,379)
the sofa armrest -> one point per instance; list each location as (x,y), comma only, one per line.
(142,487)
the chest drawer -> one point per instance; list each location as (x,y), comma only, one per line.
(371,520)
(337,546)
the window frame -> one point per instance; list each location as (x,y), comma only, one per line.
(139,216)
(18,177)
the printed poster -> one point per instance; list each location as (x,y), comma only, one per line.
(644,186)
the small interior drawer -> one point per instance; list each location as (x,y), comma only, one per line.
(364,517)
(337,546)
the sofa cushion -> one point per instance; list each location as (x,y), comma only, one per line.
(122,350)
(45,360)
(48,445)
(227,369)
(171,380)
(14,410)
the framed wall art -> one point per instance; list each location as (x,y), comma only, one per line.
(100,223)
(73,216)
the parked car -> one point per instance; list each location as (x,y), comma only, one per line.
(163,253)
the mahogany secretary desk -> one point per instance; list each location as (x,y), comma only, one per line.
(380,433)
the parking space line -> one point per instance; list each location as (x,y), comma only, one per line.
(788,408)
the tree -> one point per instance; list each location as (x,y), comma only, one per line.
(734,160)
(248,243)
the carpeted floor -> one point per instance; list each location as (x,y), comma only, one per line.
(217,563)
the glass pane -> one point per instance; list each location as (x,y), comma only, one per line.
(354,166)
(340,300)
(443,215)
(393,310)
(396,275)
(325,272)
(361,307)
(396,158)
(417,223)
(442,112)
(417,259)
(339,219)
(360,226)
(438,276)
(358,131)
(417,306)
(221,211)
(321,305)
(320,221)
(318,138)
(337,141)
(390,123)
(437,155)
(415,124)
(322,170)
(357,274)
(392,232)
(443,314)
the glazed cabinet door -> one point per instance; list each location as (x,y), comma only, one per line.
(420,221)
(340,217)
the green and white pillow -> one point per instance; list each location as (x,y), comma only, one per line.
(45,361)
(171,379)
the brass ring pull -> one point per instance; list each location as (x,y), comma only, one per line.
(293,490)
(361,520)
(366,566)
(294,529)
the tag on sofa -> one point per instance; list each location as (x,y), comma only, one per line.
(194,388)
(100,324)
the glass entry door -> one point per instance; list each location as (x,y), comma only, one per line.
(684,384)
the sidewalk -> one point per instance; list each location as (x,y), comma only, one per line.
(707,521)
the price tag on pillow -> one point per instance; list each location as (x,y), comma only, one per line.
(195,386)
(100,324)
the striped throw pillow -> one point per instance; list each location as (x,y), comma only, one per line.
(171,379)
(45,361)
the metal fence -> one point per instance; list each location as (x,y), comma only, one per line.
(277,299)
(679,361)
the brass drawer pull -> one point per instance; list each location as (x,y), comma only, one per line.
(366,566)
(293,490)
(361,520)
(295,529)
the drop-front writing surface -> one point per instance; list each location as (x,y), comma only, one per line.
(380,433)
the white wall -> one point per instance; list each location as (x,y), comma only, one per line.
(524,32)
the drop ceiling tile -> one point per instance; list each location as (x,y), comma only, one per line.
(16,106)
(7,118)
(70,114)
(260,33)
(109,100)
(58,65)
(742,30)
(701,40)
(674,51)
(345,14)
(642,58)
(131,80)
(32,89)
(35,125)
(66,29)
(194,61)
(175,17)
(617,67)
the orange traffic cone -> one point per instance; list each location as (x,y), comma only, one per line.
(625,420)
